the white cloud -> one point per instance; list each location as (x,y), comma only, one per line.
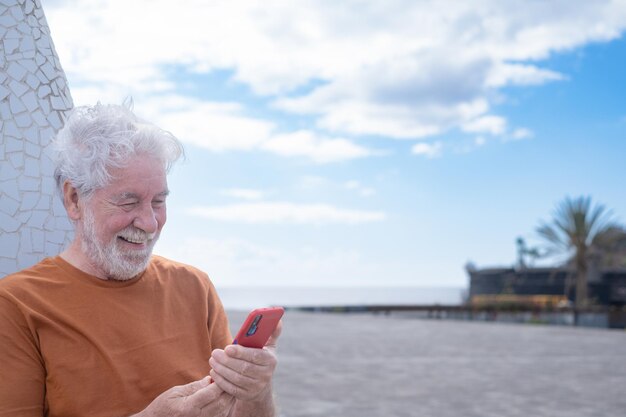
(243,193)
(347,114)
(480,141)
(320,149)
(494,125)
(225,127)
(429,150)
(506,74)
(210,125)
(312,182)
(519,134)
(362,190)
(395,69)
(285,212)
(470,145)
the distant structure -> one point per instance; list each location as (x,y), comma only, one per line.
(547,288)
(34,97)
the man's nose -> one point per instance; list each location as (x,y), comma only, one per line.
(146,219)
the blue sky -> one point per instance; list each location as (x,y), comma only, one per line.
(362,143)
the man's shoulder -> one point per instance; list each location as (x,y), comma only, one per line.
(30,278)
(40,270)
(162,264)
(180,276)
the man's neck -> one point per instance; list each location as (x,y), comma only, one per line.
(75,257)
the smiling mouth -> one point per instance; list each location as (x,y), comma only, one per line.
(133,241)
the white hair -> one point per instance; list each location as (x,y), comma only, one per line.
(97,138)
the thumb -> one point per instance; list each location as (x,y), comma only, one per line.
(206,395)
(195,386)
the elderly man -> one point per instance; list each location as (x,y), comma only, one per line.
(105,328)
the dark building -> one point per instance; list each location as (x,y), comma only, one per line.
(549,289)
(606,288)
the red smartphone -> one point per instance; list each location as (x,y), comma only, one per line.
(258,327)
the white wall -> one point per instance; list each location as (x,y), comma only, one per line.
(34,96)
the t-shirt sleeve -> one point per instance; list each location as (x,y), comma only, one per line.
(22,373)
(219,331)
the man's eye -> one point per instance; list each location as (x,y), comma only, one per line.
(158,203)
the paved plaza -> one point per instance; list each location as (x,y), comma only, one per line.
(360,365)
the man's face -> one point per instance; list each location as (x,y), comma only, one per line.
(122,221)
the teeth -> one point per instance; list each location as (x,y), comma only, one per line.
(131,240)
(133,235)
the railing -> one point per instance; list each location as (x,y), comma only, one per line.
(596,316)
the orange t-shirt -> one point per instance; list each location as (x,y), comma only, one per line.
(75,345)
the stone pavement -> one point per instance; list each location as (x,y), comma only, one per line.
(360,365)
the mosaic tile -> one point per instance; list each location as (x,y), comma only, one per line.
(9,249)
(8,224)
(25,242)
(37,219)
(29,200)
(16,159)
(44,204)
(18,88)
(8,205)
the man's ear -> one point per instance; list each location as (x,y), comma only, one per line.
(70,201)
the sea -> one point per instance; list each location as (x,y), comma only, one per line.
(246,298)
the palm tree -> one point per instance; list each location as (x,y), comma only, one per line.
(581,231)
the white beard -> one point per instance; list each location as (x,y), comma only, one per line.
(107,256)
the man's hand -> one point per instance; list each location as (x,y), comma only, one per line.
(197,399)
(246,373)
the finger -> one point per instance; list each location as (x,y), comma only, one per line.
(238,372)
(273,340)
(261,357)
(229,386)
(234,369)
(240,378)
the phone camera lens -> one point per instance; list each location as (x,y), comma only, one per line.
(251,330)
(253,327)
